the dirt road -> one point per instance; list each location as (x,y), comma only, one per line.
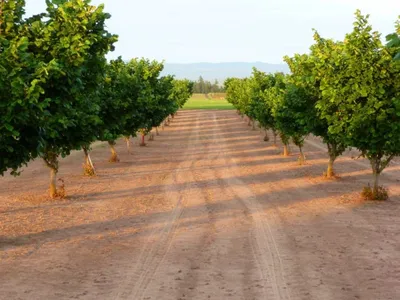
(206,211)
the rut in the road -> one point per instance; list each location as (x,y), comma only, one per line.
(262,272)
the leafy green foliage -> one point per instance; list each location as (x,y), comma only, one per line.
(114,105)
(294,114)
(70,41)
(128,97)
(166,103)
(261,103)
(394,40)
(365,93)
(309,71)
(182,91)
(238,93)
(135,98)
(51,64)
(20,92)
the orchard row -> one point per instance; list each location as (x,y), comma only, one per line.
(59,93)
(345,92)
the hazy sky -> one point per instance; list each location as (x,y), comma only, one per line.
(182,31)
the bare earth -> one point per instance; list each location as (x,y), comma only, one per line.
(206,211)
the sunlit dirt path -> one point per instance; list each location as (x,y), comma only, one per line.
(206,211)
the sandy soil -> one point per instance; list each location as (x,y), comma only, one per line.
(206,211)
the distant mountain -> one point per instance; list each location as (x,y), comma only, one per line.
(220,71)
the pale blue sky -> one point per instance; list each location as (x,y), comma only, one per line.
(182,31)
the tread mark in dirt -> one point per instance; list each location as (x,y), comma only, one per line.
(262,240)
(153,252)
(151,257)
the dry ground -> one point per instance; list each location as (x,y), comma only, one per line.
(207,211)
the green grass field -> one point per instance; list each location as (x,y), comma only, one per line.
(201,102)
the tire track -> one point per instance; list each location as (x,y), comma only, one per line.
(264,246)
(211,252)
(197,259)
(151,256)
(157,245)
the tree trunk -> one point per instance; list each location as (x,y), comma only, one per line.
(330,172)
(266,137)
(114,157)
(128,144)
(302,158)
(254,124)
(275,135)
(51,160)
(286,151)
(142,144)
(376,164)
(157,133)
(88,167)
(53,186)
(249,122)
(376,182)
(332,157)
